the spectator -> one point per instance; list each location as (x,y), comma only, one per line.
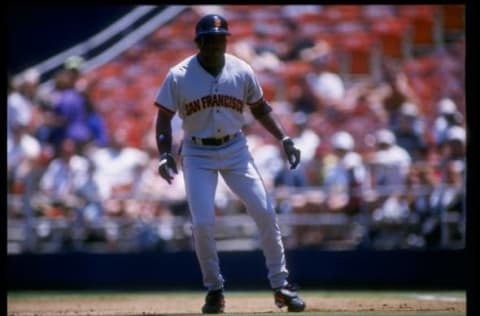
(259,51)
(329,89)
(23,150)
(96,125)
(409,132)
(59,184)
(89,192)
(49,92)
(303,99)
(454,150)
(23,153)
(65,116)
(393,91)
(118,169)
(20,99)
(389,167)
(346,178)
(447,203)
(263,43)
(74,65)
(90,218)
(419,186)
(447,116)
(70,108)
(447,199)
(295,41)
(95,122)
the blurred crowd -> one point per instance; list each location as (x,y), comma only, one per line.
(384,150)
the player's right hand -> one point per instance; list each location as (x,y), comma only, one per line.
(166,166)
(292,152)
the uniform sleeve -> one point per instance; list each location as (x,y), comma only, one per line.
(166,97)
(254,91)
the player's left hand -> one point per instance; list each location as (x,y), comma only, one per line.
(292,152)
(166,166)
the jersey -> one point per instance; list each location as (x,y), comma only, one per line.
(209,106)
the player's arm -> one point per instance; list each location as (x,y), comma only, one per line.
(163,128)
(263,114)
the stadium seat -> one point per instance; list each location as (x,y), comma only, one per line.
(291,71)
(336,13)
(422,19)
(241,29)
(392,35)
(358,47)
(312,17)
(453,18)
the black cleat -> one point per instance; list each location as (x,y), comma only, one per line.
(214,302)
(287,296)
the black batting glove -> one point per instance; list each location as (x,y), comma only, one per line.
(292,152)
(166,166)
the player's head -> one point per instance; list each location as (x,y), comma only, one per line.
(211,24)
(211,38)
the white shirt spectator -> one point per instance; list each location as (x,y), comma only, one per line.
(27,147)
(338,178)
(307,142)
(349,163)
(327,85)
(116,168)
(391,161)
(19,101)
(447,116)
(63,178)
(396,162)
(19,111)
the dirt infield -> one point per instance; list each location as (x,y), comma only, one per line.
(189,304)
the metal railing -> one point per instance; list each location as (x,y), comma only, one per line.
(234,231)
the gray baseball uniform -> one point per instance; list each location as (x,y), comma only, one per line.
(211,109)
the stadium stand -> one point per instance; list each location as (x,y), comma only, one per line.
(360,39)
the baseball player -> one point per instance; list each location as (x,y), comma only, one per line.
(210,91)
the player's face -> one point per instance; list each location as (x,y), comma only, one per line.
(213,45)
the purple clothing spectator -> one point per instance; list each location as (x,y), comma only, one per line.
(97,127)
(70,107)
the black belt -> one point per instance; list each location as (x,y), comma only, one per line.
(213,141)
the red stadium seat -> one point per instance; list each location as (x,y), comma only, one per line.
(291,71)
(336,13)
(391,32)
(358,47)
(422,18)
(241,29)
(453,17)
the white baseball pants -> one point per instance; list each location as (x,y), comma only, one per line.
(201,166)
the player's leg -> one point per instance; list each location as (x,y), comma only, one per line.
(244,179)
(200,184)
